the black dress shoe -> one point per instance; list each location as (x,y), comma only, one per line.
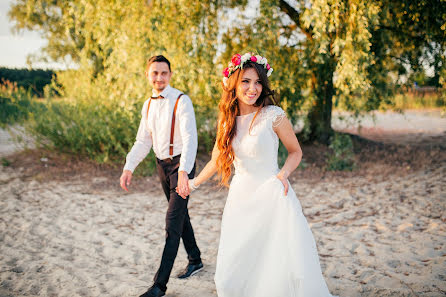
(153,291)
(190,270)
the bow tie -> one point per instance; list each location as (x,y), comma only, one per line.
(159,97)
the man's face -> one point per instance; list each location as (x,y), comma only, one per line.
(159,75)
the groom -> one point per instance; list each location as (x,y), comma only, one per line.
(168,125)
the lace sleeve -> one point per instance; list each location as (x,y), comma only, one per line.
(277,115)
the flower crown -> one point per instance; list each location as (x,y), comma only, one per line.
(237,61)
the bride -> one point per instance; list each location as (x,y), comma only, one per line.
(266,246)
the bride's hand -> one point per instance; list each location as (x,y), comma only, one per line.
(283,177)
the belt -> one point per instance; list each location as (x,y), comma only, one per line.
(169,160)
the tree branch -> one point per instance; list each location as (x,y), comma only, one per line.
(294,16)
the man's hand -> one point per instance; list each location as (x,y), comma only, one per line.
(125,179)
(183,184)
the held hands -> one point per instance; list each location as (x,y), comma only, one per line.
(192,187)
(183,184)
(283,177)
(125,179)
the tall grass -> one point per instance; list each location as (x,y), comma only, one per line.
(419,100)
(101,130)
(104,132)
(15,104)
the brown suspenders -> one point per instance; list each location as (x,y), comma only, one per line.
(172,127)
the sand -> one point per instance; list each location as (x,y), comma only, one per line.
(381,235)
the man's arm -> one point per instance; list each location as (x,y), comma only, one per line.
(139,151)
(188,128)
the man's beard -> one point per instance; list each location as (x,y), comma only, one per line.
(159,89)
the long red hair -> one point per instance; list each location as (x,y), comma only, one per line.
(229,109)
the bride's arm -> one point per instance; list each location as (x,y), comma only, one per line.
(209,170)
(286,134)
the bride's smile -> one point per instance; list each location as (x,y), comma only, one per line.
(248,91)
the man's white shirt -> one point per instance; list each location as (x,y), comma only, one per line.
(154,130)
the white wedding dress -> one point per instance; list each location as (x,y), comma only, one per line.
(266,246)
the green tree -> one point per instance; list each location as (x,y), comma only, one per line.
(110,42)
(350,54)
(346,53)
(34,79)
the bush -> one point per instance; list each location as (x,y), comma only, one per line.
(15,104)
(343,156)
(206,128)
(100,129)
(103,132)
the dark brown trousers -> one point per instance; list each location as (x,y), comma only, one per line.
(178,223)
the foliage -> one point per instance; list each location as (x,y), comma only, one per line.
(15,104)
(343,156)
(104,132)
(111,41)
(97,130)
(282,154)
(351,54)
(206,128)
(418,100)
(34,79)
(325,53)
(5,162)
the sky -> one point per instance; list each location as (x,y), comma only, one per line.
(14,48)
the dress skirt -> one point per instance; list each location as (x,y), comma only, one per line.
(266,246)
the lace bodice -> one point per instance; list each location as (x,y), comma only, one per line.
(256,149)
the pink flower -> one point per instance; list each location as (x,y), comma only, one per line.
(253,58)
(226,72)
(236,59)
(268,67)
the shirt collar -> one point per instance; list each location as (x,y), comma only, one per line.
(164,93)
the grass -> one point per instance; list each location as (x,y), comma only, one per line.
(419,101)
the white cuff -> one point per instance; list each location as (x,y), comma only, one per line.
(192,185)
(127,166)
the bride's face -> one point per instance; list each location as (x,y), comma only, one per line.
(249,88)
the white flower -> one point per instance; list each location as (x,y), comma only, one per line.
(245,57)
(269,72)
(225,81)
(263,61)
(230,65)
(259,58)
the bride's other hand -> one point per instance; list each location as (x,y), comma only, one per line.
(283,177)
(285,131)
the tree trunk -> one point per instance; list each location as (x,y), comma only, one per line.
(318,122)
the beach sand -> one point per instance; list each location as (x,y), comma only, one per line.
(380,230)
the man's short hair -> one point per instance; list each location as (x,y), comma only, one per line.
(159,58)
